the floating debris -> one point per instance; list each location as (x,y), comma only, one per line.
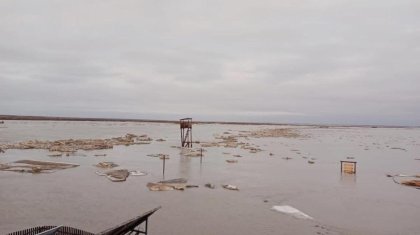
(115,175)
(311,162)
(287,158)
(231,140)
(1,150)
(167,185)
(71,145)
(413,183)
(159,187)
(209,185)
(192,186)
(350,157)
(192,152)
(236,155)
(160,140)
(159,155)
(106,165)
(291,211)
(164,157)
(231,161)
(230,187)
(277,132)
(100,155)
(30,166)
(209,144)
(271,154)
(55,154)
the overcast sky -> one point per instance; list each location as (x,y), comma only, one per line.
(297,61)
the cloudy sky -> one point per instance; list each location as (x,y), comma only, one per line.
(297,61)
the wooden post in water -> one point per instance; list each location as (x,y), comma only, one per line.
(164,159)
(201,156)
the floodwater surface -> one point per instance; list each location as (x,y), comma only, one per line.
(365,203)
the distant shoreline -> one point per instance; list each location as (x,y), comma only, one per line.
(53,118)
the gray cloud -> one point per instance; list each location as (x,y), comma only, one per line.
(306,61)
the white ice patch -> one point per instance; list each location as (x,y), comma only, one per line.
(138,173)
(291,211)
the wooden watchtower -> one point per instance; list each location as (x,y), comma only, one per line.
(186,132)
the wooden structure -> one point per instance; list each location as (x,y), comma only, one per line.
(348,167)
(186,132)
(132,226)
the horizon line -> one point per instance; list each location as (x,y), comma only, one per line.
(63,118)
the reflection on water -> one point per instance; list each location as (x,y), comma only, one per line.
(348,179)
(340,203)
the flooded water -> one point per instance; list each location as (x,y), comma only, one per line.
(365,203)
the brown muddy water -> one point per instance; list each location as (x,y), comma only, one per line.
(365,203)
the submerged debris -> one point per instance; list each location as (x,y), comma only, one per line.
(71,145)
(168,185)
(30,166)
(398,148)
(209,185)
